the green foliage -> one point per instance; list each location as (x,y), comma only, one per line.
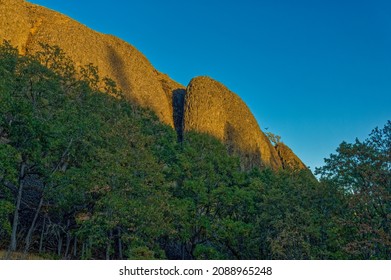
(274,138)
(362,170)
(103,178)
(6,208)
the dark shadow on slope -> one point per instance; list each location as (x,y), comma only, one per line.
(119,73)
(249,158)
(178,103)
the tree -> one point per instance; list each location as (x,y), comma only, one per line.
(273,138)
(86,174)
(203,171)
(363,171)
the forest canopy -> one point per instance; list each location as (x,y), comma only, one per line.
(87,174)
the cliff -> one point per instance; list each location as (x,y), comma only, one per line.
(205,106)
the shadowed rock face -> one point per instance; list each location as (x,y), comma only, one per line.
(211,108)
(205,106)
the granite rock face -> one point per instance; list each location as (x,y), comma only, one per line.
(14,22)
(212,108)
(288,158)
(205,106)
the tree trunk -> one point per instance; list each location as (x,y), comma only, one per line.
(89,249)
(120,255)
(68,242)
(42,233)
(17,208)
(108,245)
(75,247)
(59,248)
(32,227)
(83,249)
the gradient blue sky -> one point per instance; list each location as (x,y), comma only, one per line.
(315,72)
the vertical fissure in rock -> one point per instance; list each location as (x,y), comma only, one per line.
(178,102)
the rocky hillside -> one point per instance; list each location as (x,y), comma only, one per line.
(205,106)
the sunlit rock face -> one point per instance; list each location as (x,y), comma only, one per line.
(14,22)
(26,25)
(288,158)
(212,108)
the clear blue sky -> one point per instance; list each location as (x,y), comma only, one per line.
(315,72)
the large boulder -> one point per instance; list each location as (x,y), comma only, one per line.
(212,108)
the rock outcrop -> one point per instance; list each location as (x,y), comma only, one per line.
(212,108)
(26,25)
(288,158)
(205,106)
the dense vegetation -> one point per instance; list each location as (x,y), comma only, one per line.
(85,174)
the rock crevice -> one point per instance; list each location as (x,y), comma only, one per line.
(178,101)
